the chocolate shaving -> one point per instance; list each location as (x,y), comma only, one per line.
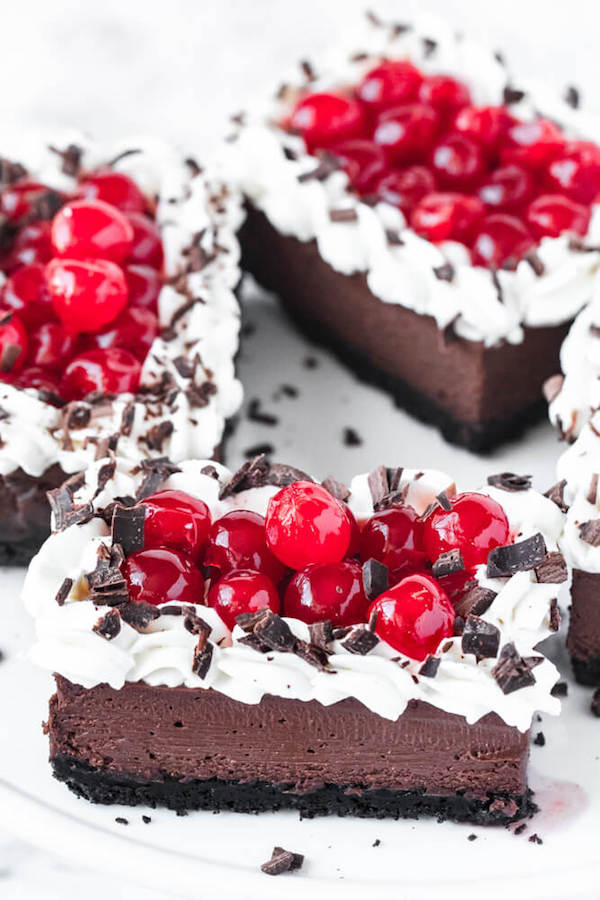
(590,532)
(127,419)
(555,619)
(552,569)
(351,438)
(156,471)
(321,634)
(139,615)
(313,655)
(393,237)
(520,557)
(264,449)
(444,502)
(157,435)
(195,624)
(572,96)
(307,69)
(109,625)
(275,633)
(384,487)
(259,472)
(512,95)
(343,215)
(480,638)
(198,395)
(374,578)
(592,493)
(282,861)
(557,494)
(248,621)
(11,171)
(512,672)
(71,158)
(445,272)
(337,489)
(508,481)
(552,387)
(107,584)
(430,667)
(360,641)
(66,513)
(210,472)
(203,653)
(429,47)
(64,591)
(10,354)
(327,165)
(448,563)
(105,473)
(475,602)
(536,262)
(560,689)
(127,527)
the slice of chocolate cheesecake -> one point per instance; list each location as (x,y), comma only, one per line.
(259,640)
(406,201)
(118,317)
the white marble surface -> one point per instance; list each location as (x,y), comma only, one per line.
(178,68)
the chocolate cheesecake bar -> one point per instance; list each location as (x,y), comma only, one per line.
(431,220)
(259,640)
(118,318)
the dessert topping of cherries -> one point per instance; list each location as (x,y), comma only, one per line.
(419,142)
(305,560)
(78,310)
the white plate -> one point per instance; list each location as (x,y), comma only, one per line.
(203,855)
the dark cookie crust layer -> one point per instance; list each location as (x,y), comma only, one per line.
(25,514)
(214,794)
(583,638)
(477,396)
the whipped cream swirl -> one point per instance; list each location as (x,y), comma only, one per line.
(383,680)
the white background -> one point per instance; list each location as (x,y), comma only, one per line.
(178,68)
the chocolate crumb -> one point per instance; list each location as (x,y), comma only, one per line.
(508,481)
(539,740)
(472,837)
(520,557)
(351,438)
(560,689)
(572,96)
(289,390)
(592,493)
(520,828)
(535,839)
(282,861)
(109,625)
(445,272)
(555,617)
(376,843)
(121,820)
(256,414)
(146,820)
(310,362)
(360,641)
(374,578)
(430,667)
(480,638)
(595,704)
(512,95)
(321,634)
(512,672)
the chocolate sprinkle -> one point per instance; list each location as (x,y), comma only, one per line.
(255,414)
(109,625)
(592,493)
(512,672)
(557,494)
(337,489)
(448,563)
(282,861)
(520,557)
(360,641)
(64,591)
(127,527)
(343,215)
(552,569)
(430,667)
(508,481)
(554,623)
(590,532)
(480,638)
(374,578)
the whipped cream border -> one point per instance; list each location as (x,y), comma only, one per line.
(162,654)
(191,208)
(479,307)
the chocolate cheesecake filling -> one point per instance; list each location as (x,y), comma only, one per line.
(194,748)
(478,396)
(583,638)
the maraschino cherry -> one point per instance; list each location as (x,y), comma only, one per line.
(500,238)
(115,188)
(391,83)
(363,161)
(305,524)
(327,591)
(112,371)
(162,576)
(143,284)
(404,188)
(146,246)
(26,293)
(13,342)
(551,214)
(474,524)
(86,294)
(50,344)
(134,328)
(447,217)
(403,132)
(394,537)
(238,541)
(327,118)
(92,229)
(414,616)
(177,521)
(242,591)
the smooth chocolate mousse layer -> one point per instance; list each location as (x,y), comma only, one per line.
(198,749)
(583,639)
(477,396)
(25,513)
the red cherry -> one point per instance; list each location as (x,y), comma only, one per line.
(178,521)
(327,118)
(551,214)
(406,132)
(39,379)
(32,244)
(475,525)
(115,188)
(26,293)
(394,537)
(457,162)
(241,592)
(455,586)
(405,187)
(13,343)
(444,93)
(501,238)
(363,161)
(447,217)
(144,284)
(533,144)
(305,524)
(135,329)
(51,345)
(16,199)
(86,294)
(485,124)
(576,172)
(414,616)
(238,541)
(147,248)
(354,543)
(389,84)
(507,188)
(162,576)
(332,591)
(113,371)
(91,229)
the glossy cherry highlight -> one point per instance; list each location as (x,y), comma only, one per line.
(177,521)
